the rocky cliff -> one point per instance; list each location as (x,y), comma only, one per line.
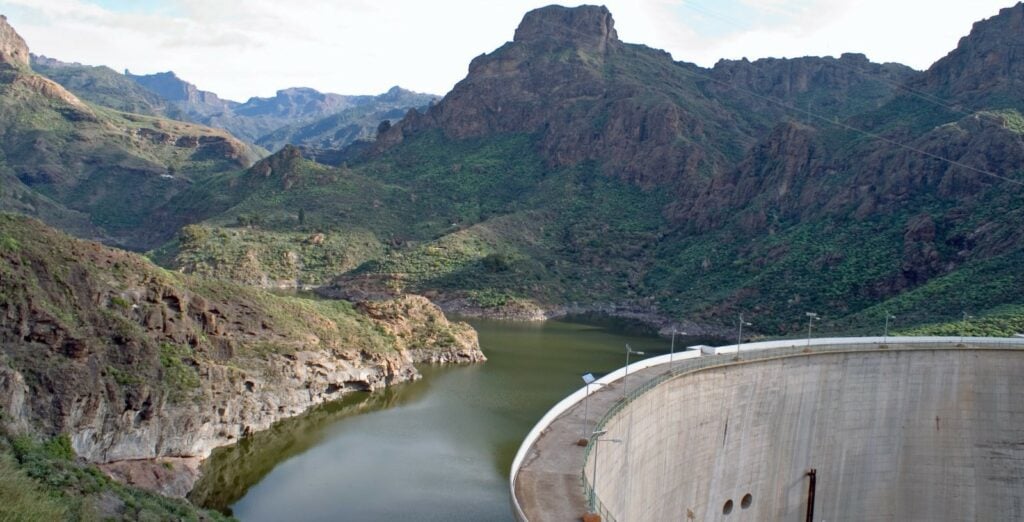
(13,49)
(987,66)
(192,100)
(138,364)
(633,110)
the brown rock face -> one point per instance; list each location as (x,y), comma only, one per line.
(836,87)
(13,49)
(775,175)
(410,318)
(588,27)
(567,79)
(990,58)
(632,110)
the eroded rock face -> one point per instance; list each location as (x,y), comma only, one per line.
(631,110)
(987,60)
(13,49)
(590,27)
(421,328)
(136,364)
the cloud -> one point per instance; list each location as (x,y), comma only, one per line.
(361,46)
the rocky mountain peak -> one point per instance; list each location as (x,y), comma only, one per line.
(279,163)
(13,49)
(299,91)
(990,58)
(586,26)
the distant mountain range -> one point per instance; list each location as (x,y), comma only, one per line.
(299,116)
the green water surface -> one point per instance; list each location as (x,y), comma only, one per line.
(438,449)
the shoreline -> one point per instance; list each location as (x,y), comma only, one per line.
(523,311)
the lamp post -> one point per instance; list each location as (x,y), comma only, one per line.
(672,350)
(628,352)
(594,440)
(589,379)
(963,327)
(739,335)
(811,317)
(885,336)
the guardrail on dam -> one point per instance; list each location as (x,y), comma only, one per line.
(897,428)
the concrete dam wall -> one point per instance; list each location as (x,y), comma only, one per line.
(905,433)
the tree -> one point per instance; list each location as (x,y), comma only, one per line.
(495,263)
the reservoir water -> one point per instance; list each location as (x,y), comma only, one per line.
(438,449)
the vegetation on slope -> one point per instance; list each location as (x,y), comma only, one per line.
(571,167)
(103,86)
(487,220)
(85,324)
(109,169)
(42,480)
(1002,321)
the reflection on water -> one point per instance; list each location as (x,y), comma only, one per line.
(437,449)
(231,470)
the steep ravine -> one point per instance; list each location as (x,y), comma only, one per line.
(146,371)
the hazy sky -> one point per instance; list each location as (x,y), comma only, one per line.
(243,48)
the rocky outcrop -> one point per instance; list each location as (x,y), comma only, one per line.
(136,364)
(771,183)
(632,110)
(419,328)
(13,49)
(171,88)
(921,258)
(988,61)
(587,27)
(771,89)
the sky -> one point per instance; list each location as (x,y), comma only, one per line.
(244,48)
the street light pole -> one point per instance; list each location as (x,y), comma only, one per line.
(739,335)
(963,327)
(672,350)
(588,378)
(885,336)
(628,352)
(594,440)
(811,317)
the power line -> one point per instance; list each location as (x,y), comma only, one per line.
(849,127)
(935,100)
(817,116)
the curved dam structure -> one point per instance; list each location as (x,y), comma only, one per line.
(832,429)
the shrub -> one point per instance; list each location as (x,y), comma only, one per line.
(495,263)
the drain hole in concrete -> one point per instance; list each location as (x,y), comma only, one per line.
(747,500)
(727,508)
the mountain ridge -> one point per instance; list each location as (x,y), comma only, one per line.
(694,192)
(98,170)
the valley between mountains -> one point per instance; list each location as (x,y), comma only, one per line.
(146,221)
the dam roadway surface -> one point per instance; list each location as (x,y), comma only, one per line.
(901,429)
